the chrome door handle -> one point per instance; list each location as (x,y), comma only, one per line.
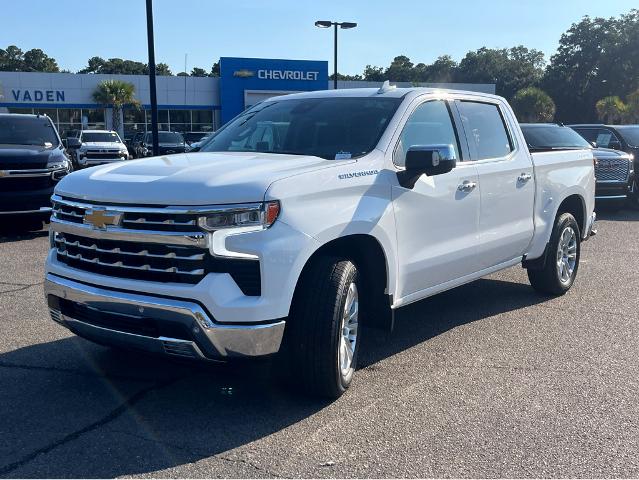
(524,177)
(467,186)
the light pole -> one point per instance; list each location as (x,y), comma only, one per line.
(328,24)
(152,89)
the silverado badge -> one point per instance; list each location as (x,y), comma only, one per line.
(99,218)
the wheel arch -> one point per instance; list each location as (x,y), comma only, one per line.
(368,255)
(576,206)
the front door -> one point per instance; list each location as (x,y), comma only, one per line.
(437,220)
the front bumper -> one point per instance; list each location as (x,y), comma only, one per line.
(85,162)
(26,202)
(611,191)
(177,328)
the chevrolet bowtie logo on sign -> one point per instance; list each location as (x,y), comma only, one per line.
(244,73)
(100,218)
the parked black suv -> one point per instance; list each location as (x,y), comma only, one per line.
(617,137)
(613,169)
(169,142)
(32,161)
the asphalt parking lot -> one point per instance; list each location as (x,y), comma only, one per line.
(489,379)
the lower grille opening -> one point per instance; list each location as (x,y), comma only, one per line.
(138,325)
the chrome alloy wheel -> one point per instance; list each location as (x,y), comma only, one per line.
(348,338)
(566,255)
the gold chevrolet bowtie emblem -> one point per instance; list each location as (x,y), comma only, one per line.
(100,218)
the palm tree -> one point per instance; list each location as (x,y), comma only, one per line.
(115,94)
(532,104)
(610,109)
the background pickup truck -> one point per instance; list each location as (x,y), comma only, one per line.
(308,217)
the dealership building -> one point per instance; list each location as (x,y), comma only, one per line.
(184,103)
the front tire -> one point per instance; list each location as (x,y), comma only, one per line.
(562,259)
(322,335)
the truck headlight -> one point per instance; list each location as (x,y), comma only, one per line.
(260,215)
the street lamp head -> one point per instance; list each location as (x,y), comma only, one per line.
(347,25)
(323,24)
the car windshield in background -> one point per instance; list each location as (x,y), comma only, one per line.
(330,128)
(194,136)
(630,133)
(552,137)
(165,137)
(100,137)
(18,130)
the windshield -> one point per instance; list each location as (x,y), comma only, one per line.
(553,136)
(330,128)
(630,134)
(100,137)
(19,130)
(165,137)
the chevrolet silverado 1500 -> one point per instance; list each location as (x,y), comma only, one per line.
(308,217)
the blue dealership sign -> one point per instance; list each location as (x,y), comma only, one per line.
(241,78)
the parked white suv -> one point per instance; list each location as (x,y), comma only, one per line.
(95,147)
(307,217)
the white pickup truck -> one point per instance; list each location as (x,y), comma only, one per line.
(307,218)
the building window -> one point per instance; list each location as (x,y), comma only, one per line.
(68,120)
(20,110)
(202,121)
(134,121)
(93,118)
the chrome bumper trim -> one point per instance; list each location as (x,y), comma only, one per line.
(611,197)
(17,212)
(191,239)
(210,340)
(170,210)
(30,173)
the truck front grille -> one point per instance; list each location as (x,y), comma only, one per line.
(22,184)
(150,244)
(101,155)
(612,170)
(156,221)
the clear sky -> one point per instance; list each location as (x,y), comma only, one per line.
(73,30)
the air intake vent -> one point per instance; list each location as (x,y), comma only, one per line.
(179,349)
(56,316)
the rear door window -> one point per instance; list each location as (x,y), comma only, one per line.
(607,139)
(485,130)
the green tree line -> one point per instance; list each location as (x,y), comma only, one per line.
(594,73)
(13,59)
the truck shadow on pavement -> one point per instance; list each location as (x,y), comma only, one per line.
(74,409)
(14,232)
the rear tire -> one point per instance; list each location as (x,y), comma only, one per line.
(562,259)
(322,337)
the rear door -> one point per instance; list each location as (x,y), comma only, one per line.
(507,187)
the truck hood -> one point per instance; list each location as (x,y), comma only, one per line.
(27,156)
(202,178)
(608,153)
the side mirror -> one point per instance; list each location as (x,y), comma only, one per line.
(73,142)
(594,144)
(426,159)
